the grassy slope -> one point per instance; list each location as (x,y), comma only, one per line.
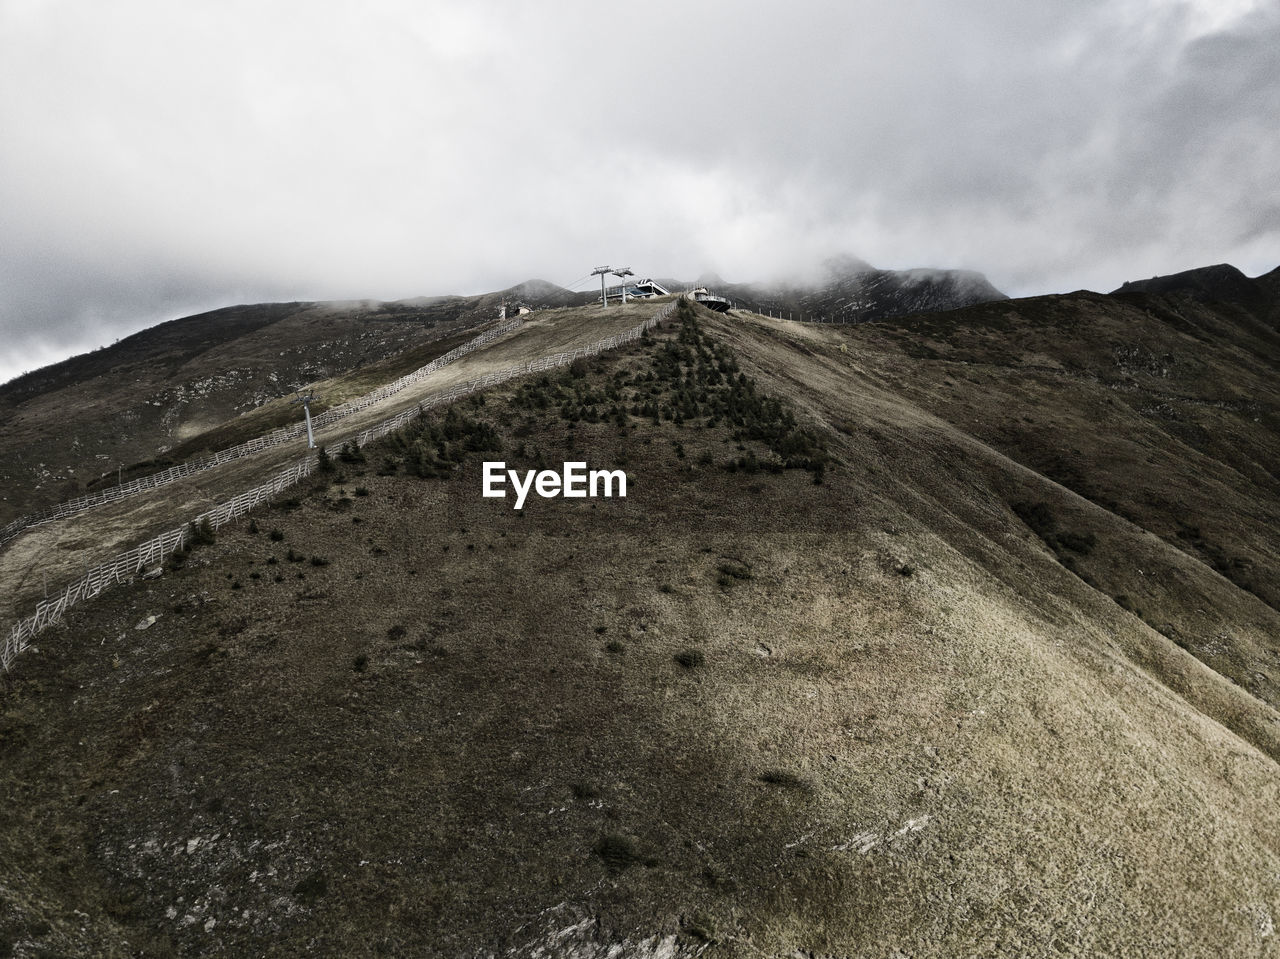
(62,551)
(911,727)
(161,389)
(1161,412)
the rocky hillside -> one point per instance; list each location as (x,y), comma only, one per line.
(1222,284)
(938,636)
(201,383)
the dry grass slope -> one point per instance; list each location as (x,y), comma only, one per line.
(844,674)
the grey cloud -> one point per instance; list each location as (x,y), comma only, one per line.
(159,155)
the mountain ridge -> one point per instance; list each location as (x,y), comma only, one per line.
(940,634)
(850,290)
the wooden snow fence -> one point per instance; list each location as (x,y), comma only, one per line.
(249,447)
(152,553)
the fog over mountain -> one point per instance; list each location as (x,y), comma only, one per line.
(161,159)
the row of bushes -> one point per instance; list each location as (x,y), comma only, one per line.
(431,449)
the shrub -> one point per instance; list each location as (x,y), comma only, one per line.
(731,571)
(1081,543)
(690,658)
(701,927)
(310,889)
(619,851)
(1037,516)
(200,534)
(276,535)
(784,778)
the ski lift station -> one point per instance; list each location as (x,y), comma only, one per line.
(646,289)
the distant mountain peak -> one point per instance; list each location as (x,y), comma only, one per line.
(1221,283)
(1201,276)
(536,288)
(846,264)
(850,290)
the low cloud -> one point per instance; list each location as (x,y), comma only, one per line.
(163,158)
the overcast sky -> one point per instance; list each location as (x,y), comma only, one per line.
(158,158)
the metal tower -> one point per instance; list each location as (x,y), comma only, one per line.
(622,273)
(602,271)
(306,409)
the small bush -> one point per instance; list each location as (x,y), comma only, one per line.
(716,878)
(784,778)
(276,535)
(1082,543)
(253,526)
(731,572)
(701,927)
(362,491)
(360,663)
(319,561)
(313,887)
(619,852)
(201,534)
(690,658)
(208,653)
(1037,516)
